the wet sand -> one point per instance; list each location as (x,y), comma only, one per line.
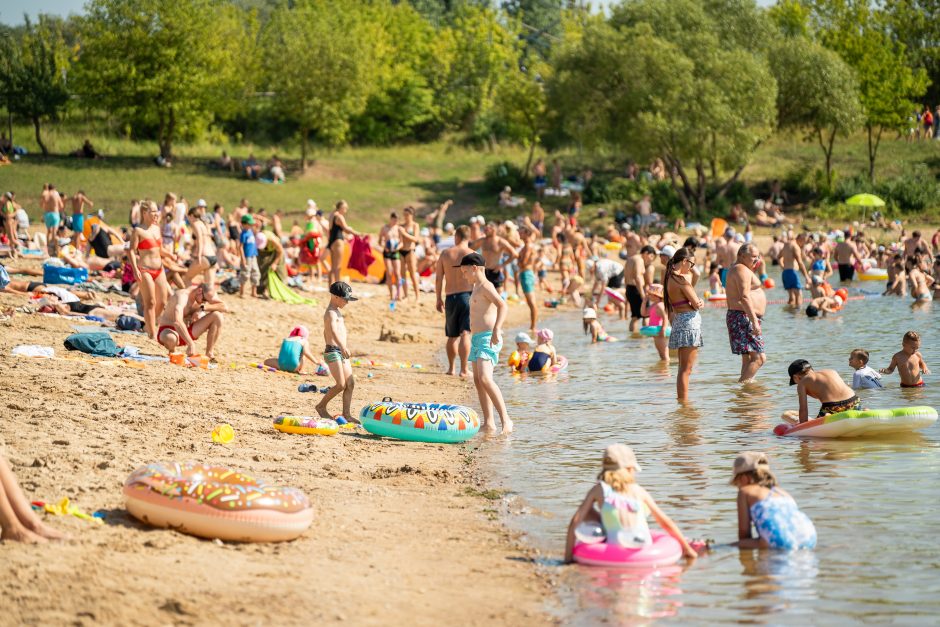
(401,534)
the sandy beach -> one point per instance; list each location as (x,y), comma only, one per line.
(401,534)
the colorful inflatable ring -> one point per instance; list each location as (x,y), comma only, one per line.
(420,422)
(216,502)
(874,274)
(561,364)
(653,331)
(306,425)
(613,294)
(853,424)
(664,551)
(716,298)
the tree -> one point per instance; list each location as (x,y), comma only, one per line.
(916,25)
(331,70)
(816,92)
(541,22)
(33,73)
(522,105)
(166,67)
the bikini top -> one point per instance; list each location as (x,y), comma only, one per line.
(147,243)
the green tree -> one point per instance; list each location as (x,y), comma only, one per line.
(522,104)
(170,67)
(319,61)
(916,25)
(816,93)
(541,22)
(33,74)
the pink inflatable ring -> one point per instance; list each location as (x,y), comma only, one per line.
(665,551)
(216,502)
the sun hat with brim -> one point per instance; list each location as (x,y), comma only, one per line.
(654,289)
(747,462)
(523,338)
(617,456)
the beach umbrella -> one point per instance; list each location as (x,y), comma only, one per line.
(865,201)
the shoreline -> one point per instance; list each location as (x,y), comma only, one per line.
(403,532)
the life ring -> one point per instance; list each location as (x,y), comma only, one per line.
(650,331)
(216,502)
(717,298)
(852,424)
(664,551)
(420,422)
(874,274)
(306,425)
(560,364)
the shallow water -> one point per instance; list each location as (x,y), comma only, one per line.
(874,502)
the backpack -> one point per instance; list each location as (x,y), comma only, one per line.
(129,323)
(231,286)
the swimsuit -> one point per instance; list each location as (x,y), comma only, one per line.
(80,308)
(741,333)
(846,272)
(538,361)
(527,279)
(636,301)
(836,407)
(723,275)
(391,250)
(497,277)
(52,219)
(781,524)
(288,359)
(336,233)
(791,280)
(333,354)
(172,327)
(686,330)
(618,508)
(919,384)
(457,314)
(480,347)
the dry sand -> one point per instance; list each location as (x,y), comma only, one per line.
(401,534)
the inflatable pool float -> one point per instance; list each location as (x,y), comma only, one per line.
(853,424)
(615,246)
(420,422)
(717,298)
(561,364)
(216,502)
(665,551)
(613,294)
(653,331)
(306,425)
(874,274)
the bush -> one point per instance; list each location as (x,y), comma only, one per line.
(665,200)
(504,173)
(738,192)
(916,190)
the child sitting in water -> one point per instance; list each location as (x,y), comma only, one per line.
(520,357)
(621,506)
(294,349)
(714,280)
(592,326)
(865,376)
(773,513)
(909,362)
(543,357)
(658,318)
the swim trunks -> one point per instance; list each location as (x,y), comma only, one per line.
(741,333)
(846,272)
(457,314)
(919,384)
(496,277)
(333,354)
(791,280)
(288,359)
(723,275)
(51,218)
(527,280)
(839,406)
(636,301)
(480,347)
(78,222)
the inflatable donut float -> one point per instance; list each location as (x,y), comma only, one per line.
(216,502)
(306,425)
(420,422)
(664,551)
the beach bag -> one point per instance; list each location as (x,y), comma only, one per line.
(128,323)
(231,286)
(4,278)
(100,344)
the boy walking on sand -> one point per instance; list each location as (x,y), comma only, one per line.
(336,353)
(248,252)
(909,362)
(487,313)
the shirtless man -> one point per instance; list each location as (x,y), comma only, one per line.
(487,314)
(79,202)
(791,260)
(52,206)
(920,280)
(727,253)
(527,258)
(915,242)
(456,308)
(846,255)
(632,243)
(636,276)
(493,247)
(746,306)
(909,362)
(190,312)
(204,253)
(825,386)
(336,353)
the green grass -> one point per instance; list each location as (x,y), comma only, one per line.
(373,180)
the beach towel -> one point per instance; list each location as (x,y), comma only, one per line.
(360,256)
(277,290)
(100,344)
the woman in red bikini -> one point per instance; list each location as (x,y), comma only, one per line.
(146,257)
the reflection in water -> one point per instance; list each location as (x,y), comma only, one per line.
(872,501)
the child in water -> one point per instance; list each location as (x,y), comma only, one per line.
(865,376)
(520,357)
(621,506)
(658,318)
(294,349)
(773,513)
(714,279)
(592,326)
(909,362)
(543,357)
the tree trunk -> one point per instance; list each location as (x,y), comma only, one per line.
(303,149)
(874,140)
(684,190)
(701,179)
(528,163)
(827,152)
(42,146)
(166,150)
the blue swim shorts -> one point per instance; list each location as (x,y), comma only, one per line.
(480,347)
(791,280)
(527,280)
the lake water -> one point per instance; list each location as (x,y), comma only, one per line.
(874,502)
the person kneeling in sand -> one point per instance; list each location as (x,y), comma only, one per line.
(825,386)
(487,313)
(294,350)
(188,314)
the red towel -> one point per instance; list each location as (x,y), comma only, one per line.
(361,257)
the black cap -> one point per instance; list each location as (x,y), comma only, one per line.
(342,290)
(797,367)
(472,259)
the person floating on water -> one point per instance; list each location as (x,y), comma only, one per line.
(909,362)
(826,386)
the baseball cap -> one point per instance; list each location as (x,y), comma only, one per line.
(668,250)
(248,219)
(617,456)
(342,290)
(748,461)
(800,365)
(472,259)
(201,202)
(589,314)
(523,337)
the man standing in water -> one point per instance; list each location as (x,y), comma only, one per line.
(846,256)
(492,247)
(487,314)
(726,251)
(527,258)
(791,260)
(746,306)
(636,276)
(456,308)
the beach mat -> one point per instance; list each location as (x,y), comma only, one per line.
(277,290)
